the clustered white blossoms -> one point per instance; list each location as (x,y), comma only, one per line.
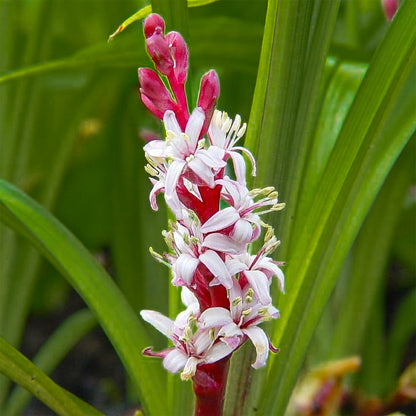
(225,288)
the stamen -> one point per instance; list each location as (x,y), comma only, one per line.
(236,301)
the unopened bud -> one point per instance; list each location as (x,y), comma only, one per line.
(158,49)
(180,54)
(153,24)
(390,8)
(154,94)
(209,92)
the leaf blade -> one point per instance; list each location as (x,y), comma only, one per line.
(101,294)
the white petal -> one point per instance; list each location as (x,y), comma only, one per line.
(250,156)
(239,167)
(175,361)
(269,264)
(260,284)
(216,135)
(217,352)
(212,158)
(157,189)
(172,178)
(261,344)
(220,220)
(235,266)
(156,149)
(188,298)
(223,243)
(230,330)
(203,171)
(234,190)
(185,267)
(202,341)
(170,122)
(233,342)
(194,125)
(242,231)
(162,323)
(217,267)
(215,317)
(190,368)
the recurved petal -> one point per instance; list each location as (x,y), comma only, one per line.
(223,243)
(271,266)
(170,122)
(213,157)
(239,167)
(217,352)
(242,231)
(203,171)
(220,220)
(261,344)
(162,323)
(172,178)
(260,284)
(235,266)
(188,298)
(230,330)
(215,317)
(217,267)
(185,267)
(175,361)
(158,187)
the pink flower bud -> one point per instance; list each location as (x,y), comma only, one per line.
(158,49)
(208,96)
(154,94)
(390,8)
(153,24)
(180,54)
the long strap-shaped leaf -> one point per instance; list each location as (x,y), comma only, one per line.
(355,171)
(103,297)
(21,370)
(292,63)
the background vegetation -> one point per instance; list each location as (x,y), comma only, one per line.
(328,88)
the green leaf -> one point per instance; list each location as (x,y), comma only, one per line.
(19,369)
(66,253)
(292,63)
(363,154)
(145,11)
(370,256)
(52,352)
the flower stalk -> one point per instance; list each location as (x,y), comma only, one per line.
(201,171)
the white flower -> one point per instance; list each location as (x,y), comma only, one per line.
(243,214)
(225,133)
(191,251)
(241,321)
(192,345)
(182,156)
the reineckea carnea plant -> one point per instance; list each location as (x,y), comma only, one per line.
(332,110)
(225,287)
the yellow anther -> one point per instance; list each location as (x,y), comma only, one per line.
(236,301)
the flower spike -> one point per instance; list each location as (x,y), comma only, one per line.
(225,287)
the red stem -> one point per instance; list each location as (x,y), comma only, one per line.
(209,387)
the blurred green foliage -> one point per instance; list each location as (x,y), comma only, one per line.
(71,128)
